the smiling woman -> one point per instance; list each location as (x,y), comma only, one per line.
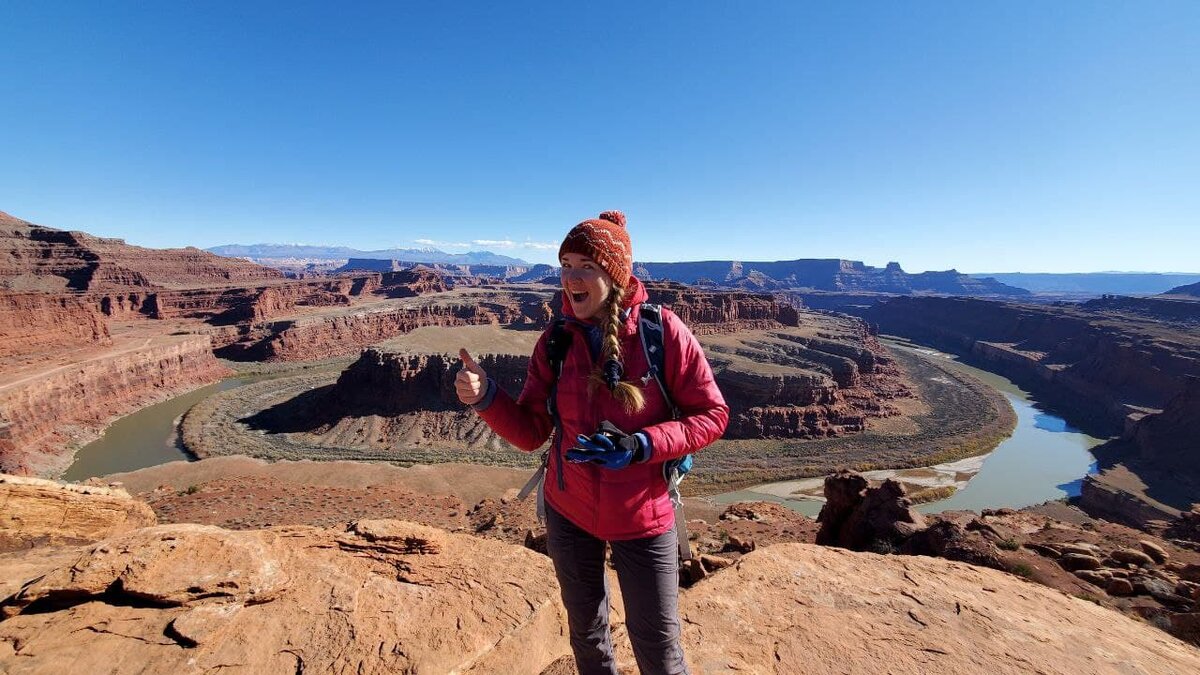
(597,392)
(586,285)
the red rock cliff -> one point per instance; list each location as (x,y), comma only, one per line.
(32,322)
(43,418)
(36,258)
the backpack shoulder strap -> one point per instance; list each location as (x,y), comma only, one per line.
(558,343)
(652,334)
(652,330)
(557,346)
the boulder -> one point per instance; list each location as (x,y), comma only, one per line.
(1079,547)
(1156,552)
(1118,586)
(945,539)
(1093,577)
(1131,557)
(866,519)
(44,512)
(1078,561)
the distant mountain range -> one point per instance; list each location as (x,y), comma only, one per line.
(524,273)
(1094,283)
(267,253)
(822,275)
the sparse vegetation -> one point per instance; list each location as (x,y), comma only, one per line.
(1022,570)
(1008,544)
(933,494)
(965,417)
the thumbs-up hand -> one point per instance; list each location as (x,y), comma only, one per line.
(471,381)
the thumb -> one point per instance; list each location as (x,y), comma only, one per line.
(469,363)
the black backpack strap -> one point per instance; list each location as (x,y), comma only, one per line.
(558,343)
(651,331)
(557,346)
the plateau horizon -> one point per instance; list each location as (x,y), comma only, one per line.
(336,251)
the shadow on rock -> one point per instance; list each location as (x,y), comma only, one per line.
(306,412)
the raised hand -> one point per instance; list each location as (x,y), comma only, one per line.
(471,381)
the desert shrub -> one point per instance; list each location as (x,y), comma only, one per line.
(1022,570)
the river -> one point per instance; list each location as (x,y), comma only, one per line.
(1044,459)
(148,437)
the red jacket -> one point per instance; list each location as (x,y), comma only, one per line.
(630,503)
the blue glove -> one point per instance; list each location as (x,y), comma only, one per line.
(610,447)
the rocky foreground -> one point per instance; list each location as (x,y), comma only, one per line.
(392,596)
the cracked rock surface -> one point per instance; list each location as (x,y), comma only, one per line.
(382,597)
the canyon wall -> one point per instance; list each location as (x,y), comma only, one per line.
(821,274)
(707,311)
(43,418)
(386,383)
(321,337)
(1171,439)
(34,322)
(37,258)
(778,384)
(788,384)
(1098,365)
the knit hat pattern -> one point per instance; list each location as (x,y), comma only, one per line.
(606,241)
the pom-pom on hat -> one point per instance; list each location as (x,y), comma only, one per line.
(604,240)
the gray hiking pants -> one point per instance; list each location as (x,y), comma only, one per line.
(648,571)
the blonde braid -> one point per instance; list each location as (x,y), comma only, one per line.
(629,396)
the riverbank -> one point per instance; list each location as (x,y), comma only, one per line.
(954,416)
(1043,459)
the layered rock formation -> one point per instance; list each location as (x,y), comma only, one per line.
(29,321)
(1095,360)
(37,258)
(779,384)
(1171,439)
(41,512)
(383,383)
(43,416)
(804,383)
(1109,364)
(326,336)
(707,312)
(825,275)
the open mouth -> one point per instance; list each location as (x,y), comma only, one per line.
(578,297)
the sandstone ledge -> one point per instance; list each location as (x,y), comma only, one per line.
(179,597)
(36,512)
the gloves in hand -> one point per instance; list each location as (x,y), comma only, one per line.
(610,447)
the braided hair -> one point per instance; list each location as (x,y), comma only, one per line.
(609,370)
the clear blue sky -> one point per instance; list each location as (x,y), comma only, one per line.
(997,136)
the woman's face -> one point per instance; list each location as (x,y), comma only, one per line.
(585,285)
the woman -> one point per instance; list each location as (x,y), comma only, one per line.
(607,485)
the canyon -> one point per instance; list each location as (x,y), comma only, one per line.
(415,561)
(786,373)
(1119,365)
